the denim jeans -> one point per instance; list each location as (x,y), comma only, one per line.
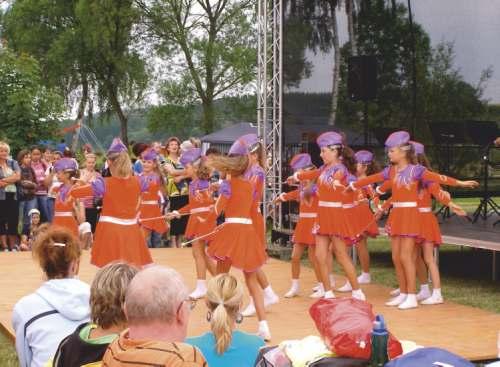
(154,240)
(24,209)
(41,201)
(51,202)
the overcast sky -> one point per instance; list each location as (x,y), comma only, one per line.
(472,25)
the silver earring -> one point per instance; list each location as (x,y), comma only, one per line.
(239,318)
(209,316)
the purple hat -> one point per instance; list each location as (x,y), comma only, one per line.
(239,147)
(251,140)
(300,161)
(149,154)
(363,157)
(65,164)
(189,156)
(397,139)
(418,147)
(329,138)
(117,146)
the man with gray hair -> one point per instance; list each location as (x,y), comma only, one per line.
(157,308)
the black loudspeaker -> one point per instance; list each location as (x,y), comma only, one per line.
(362,78)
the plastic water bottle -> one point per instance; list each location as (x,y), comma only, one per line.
(380,337)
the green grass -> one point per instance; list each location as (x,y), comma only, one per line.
(8,357)
(470,204)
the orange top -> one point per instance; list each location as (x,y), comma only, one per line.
(153,184)
(121,196)
(306,196)
(199,196)
(331,180)
(235,198)
(405,184)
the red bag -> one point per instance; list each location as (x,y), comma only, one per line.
(346,325)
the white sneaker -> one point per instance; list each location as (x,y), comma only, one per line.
(318,294)
(395,292)
(409,302)
(198,293)
(423,294)
(358,294)
(268,301)
(329,295)
(364,278)
(294,291)
(396,301)
(264,332)
(345,288)
(316,288)
(433,300)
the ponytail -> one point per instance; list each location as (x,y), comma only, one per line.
(224,297)
(120,164)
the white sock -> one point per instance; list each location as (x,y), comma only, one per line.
(321,287)
(332,279)
(357,292)
(263,324)
(268,292)
(424,288)
(436,292)
(403,295)
(295,282)
(363,274)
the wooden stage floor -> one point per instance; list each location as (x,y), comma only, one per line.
(469,332)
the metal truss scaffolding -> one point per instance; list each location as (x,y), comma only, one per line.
(269,94)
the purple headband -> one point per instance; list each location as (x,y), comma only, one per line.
(418,147)
(397,139)
(65,164)
(363,157)
(300,161)
(117,146)
(251,140)
(190,156)
(329,138)
(149,154)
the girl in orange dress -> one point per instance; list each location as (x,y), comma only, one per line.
(404,222)
(64,208)
(364,218)
(150,206)
(236,243)
(303,236)
(200,222)
(118,234)
(256,175)
(430,233)
(331,223)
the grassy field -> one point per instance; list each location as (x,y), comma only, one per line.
(466,279)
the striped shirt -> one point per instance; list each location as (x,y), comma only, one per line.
(139,353)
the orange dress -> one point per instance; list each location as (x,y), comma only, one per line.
(308,213)
(150,207)
(256,175)
(200,221)
(429,226)
(236,239)
(331,181)
(404,219)
(352,224)
(118,235)
(63,210)
(366,219)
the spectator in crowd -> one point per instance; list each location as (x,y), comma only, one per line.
(225,346)
(157,309)
(27,239)
(47,155)
(138,149)
(9,205)
(89,341)
(177,190)
(43,318)
(52,183)
(40,168)
(61,146)
(89,174)
(27,188)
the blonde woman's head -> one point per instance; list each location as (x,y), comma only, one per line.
(107,294)
(224,299)
(120,164)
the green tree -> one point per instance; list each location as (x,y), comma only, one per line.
(29,111)
(210,48)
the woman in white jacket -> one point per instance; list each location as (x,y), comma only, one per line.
(43,318)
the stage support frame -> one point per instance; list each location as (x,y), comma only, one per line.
(269,95)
